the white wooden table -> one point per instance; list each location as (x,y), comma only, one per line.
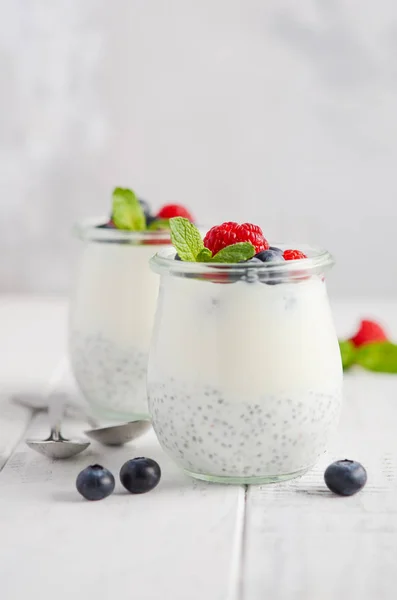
(188,540)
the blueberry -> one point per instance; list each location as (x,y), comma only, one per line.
(140,475)
(275,249)
(95,482)
(270,256)
(150,219)
(177,257)
(147,211)
(145,205)
(345,477)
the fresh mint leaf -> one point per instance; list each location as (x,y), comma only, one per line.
(378,356)
(205,255)
(159,224)
(186,239)
(235,253)
(127,212)
(348,353)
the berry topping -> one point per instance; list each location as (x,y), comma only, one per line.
(230,233)
(189,245)
(275,249)
(270,256)
(174,210)
(293,255)
(95,482)
(146,211)
(369,331)
(140,475)
(345,477)
(145,206)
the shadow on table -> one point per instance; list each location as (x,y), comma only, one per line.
(320,491)
(67,496)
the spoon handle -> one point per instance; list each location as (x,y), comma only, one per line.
(56,409)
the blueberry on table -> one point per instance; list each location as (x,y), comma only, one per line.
(345,477)
(275,249)
(140,475)
(177,257)
(95,482)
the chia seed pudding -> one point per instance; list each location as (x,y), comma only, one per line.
(111,319)
(229,436)
(110,375)
(244,380)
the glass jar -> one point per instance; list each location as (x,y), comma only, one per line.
(111,318)
(244,374)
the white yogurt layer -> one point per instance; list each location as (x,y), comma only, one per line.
(244,379)
(110,326)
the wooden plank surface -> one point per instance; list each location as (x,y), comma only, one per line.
(187,539)
(181,541)
(32,341)
(177,542)
(303,543)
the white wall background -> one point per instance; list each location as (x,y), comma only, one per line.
(275,111)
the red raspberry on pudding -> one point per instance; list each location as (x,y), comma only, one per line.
(229,233)
(174,210)
(293,255)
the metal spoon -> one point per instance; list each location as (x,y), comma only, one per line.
(117,435)
(56,446)
(114,435)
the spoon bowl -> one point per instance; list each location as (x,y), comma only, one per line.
(117,435)
(57,448)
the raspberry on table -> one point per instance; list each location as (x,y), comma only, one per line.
(369,331)
(174,210)
(293,255)
(229,233)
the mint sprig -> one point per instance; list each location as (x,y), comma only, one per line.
(159,224)
(235,253)
(380,357)
(189,245)
(205,255)
(127,212)
(348,353)
(186,239)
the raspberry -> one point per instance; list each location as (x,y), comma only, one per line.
(293,255)
(230,233)
(368,332)
(174,210)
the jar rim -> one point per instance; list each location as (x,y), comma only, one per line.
(89,230)
(318,261)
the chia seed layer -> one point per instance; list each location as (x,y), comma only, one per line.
(111,377)
(210,434)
